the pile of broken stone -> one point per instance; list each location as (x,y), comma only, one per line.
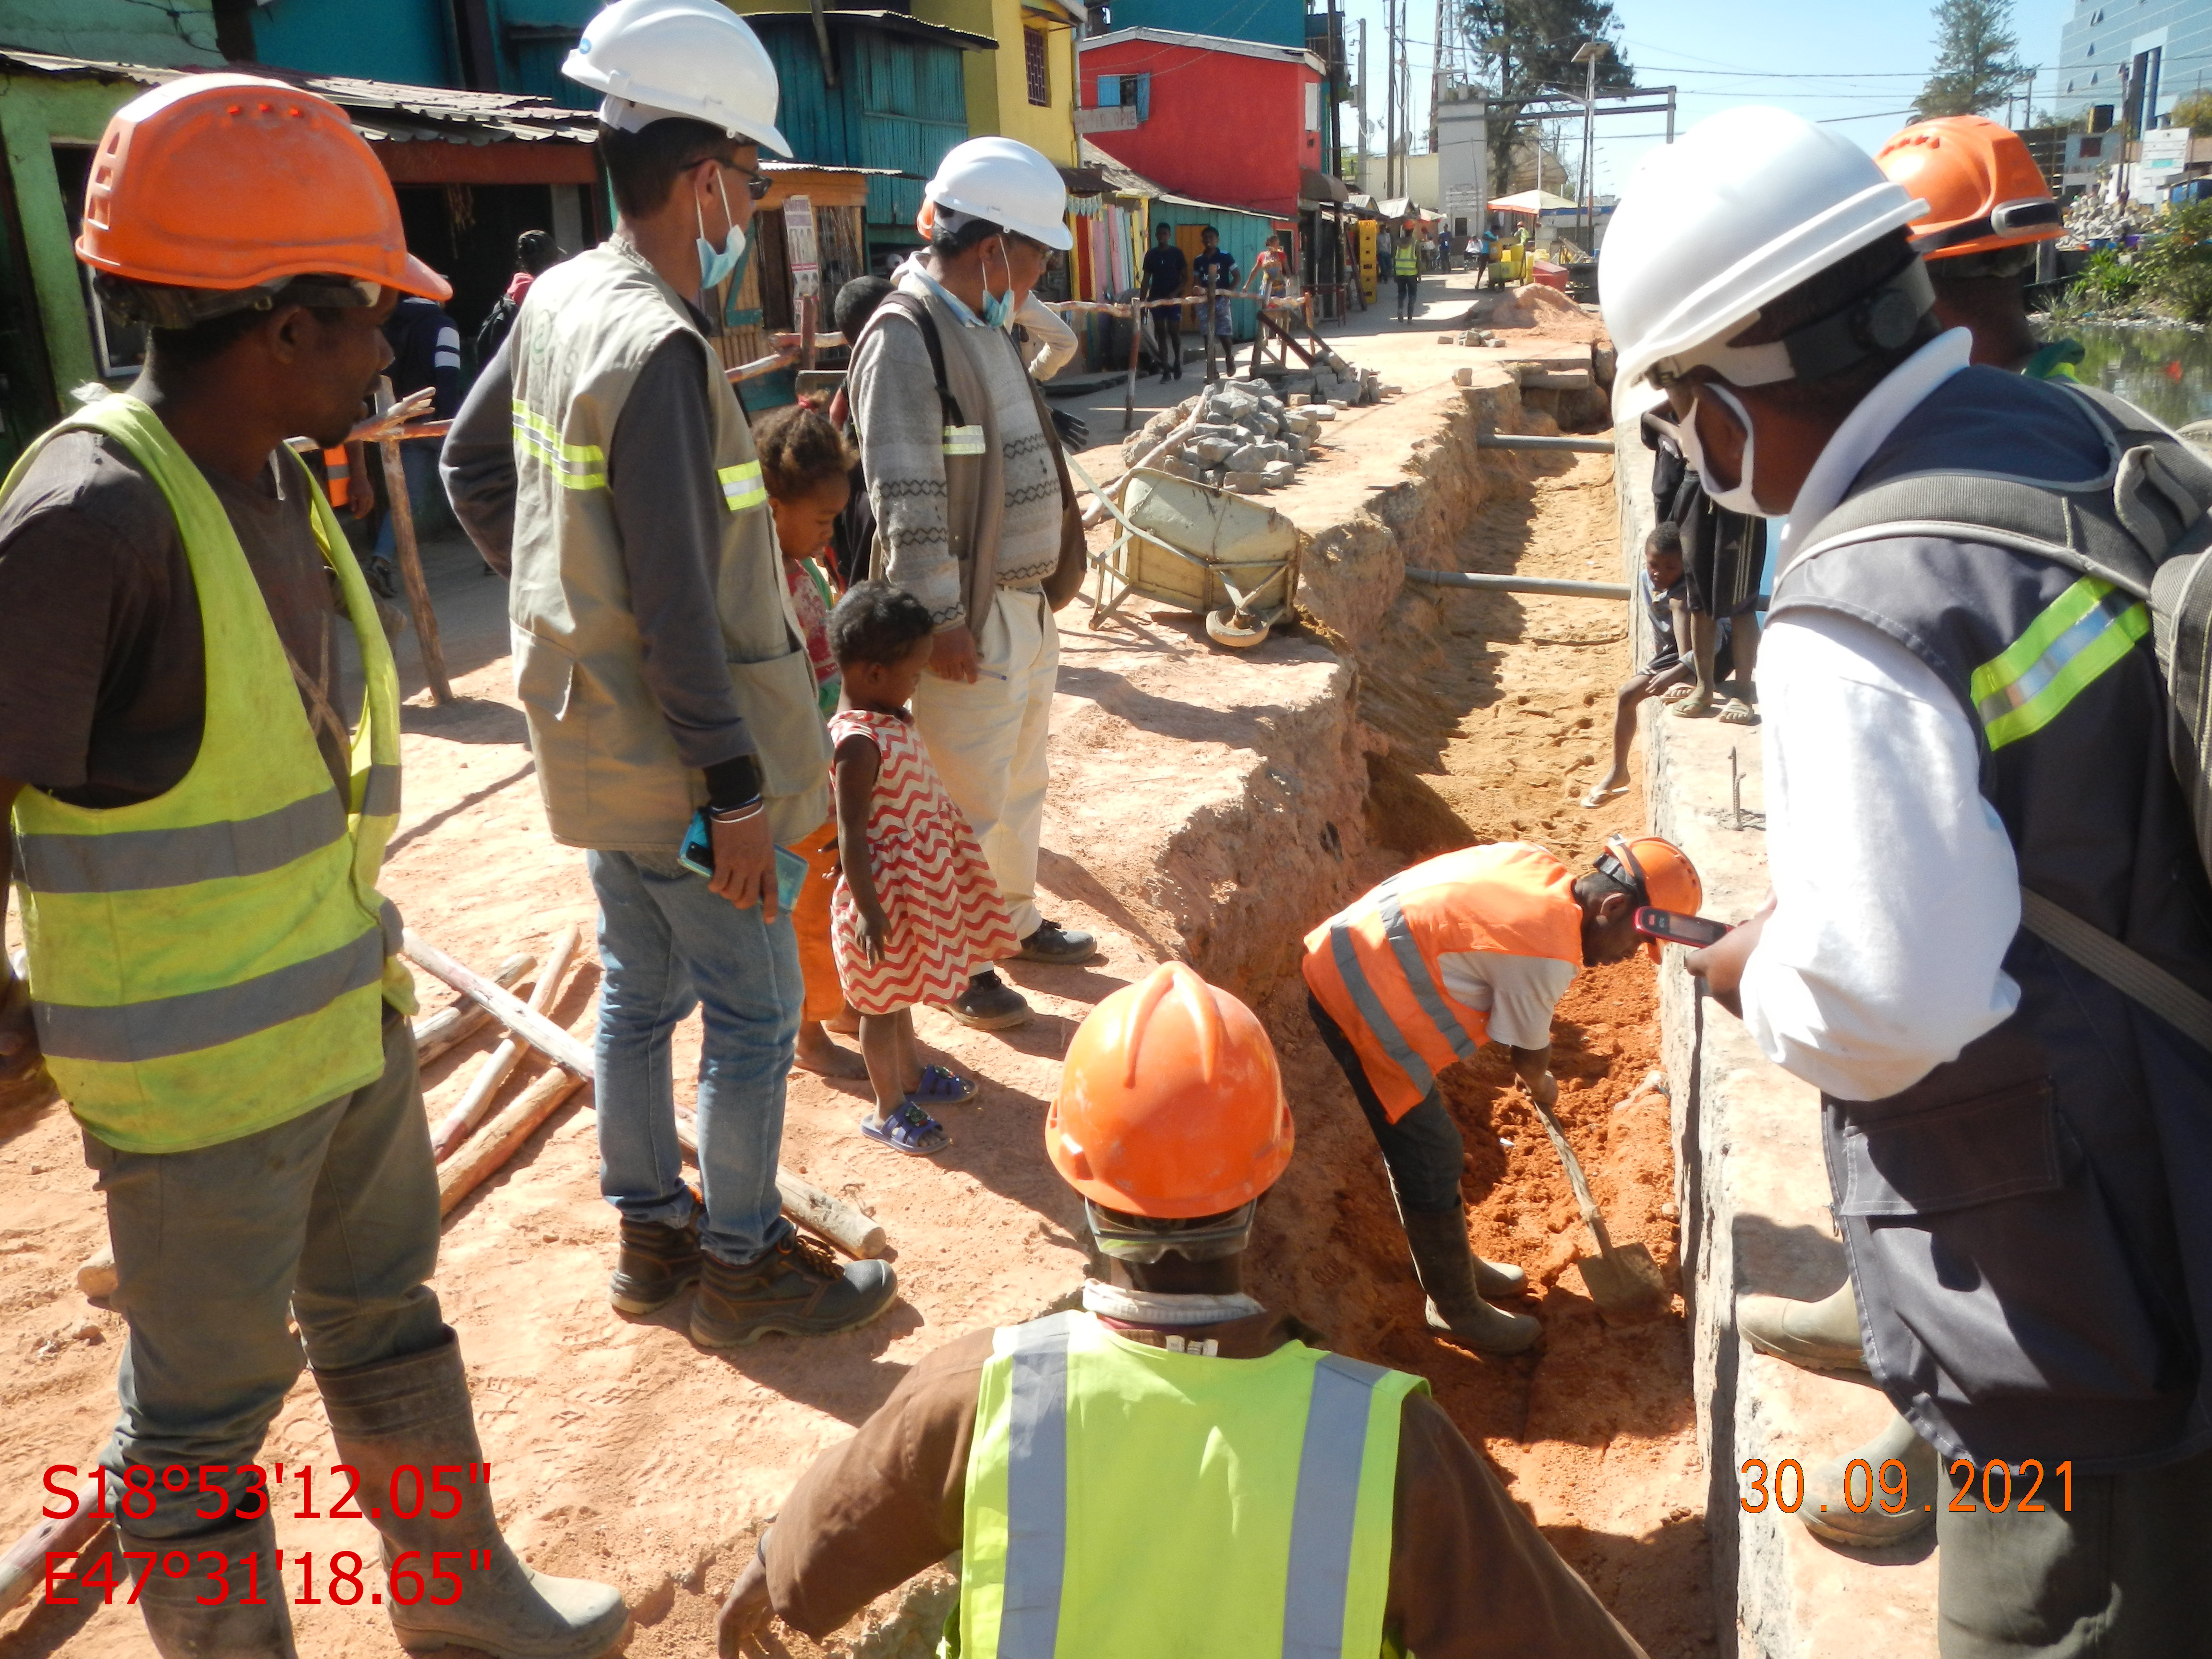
(1245,436)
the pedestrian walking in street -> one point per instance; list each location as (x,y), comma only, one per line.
(1167,269)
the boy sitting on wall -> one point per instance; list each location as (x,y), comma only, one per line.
(1663,595)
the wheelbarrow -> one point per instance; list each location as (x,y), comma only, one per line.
(1192,547)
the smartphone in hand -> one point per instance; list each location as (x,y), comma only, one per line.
(1673,928)
(696,855)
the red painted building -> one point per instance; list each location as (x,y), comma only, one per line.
(1235,122)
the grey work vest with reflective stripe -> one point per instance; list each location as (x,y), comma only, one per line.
(2032,1254)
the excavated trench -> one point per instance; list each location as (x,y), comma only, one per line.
(1205,805)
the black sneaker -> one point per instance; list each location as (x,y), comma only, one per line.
(989,1004)
(1053,943)
(797,1289)
(657,1265)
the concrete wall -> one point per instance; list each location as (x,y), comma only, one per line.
(1220,126)
(1753,1194)
(998,82)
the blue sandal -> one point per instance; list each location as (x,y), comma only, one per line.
(941,1086)
(907,1128)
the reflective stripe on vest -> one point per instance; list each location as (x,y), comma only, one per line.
(742,486)
(2084,631)
(1181,1524)
(1408,261)
(576,466)
(963,440)
(208,962)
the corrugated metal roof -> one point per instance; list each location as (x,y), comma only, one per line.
(382,110)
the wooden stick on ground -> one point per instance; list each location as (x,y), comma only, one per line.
(456,1124)
(467,1170)
(448,1027)
(533,1027)
(807,1204)
(410,570)
(23,1567)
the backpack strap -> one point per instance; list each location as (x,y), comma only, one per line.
(916,311)
(2128,971)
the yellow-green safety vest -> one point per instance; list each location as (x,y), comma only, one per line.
(1122,1499)
(213,961)
(1408,259)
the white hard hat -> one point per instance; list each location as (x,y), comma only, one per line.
(1006,182)
(655,58)
(1744,207)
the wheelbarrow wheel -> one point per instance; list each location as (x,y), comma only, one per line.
(1222,628)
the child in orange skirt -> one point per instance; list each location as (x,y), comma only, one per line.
(806,464)
(916,911)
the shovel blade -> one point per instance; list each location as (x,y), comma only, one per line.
(1626,1284)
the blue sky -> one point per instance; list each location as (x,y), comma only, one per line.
(1858,65)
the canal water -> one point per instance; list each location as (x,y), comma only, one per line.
(2167,371)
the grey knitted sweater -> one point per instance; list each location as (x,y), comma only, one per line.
(895,403)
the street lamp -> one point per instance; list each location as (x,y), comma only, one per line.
(1587,55)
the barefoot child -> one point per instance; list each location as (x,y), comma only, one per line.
(917,911)
(1661,582)
(804,461)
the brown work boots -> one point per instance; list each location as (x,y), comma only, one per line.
(797,1289)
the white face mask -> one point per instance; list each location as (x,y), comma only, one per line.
(1743,498)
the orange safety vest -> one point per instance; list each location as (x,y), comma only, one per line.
(337,470)
(1373,965)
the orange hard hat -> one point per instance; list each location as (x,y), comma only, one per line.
(1984,191)
(230,182)
(1170,1104)
(1657,872)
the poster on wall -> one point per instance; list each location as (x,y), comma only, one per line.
(800,248)
(2161,158)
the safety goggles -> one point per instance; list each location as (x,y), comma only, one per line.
(1618,863)
(1881,319)
(1140,1239)
(2009,219)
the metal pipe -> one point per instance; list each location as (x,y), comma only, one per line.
(1518,584)
(1530,440)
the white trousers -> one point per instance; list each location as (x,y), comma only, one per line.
(987,741)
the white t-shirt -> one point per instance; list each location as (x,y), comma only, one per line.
(1518,993)
(1897,893)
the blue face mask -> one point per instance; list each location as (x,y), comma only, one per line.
(716,265)
(999,308)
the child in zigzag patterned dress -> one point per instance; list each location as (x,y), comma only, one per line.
(916,911)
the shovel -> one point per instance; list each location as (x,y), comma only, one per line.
(1624,1282)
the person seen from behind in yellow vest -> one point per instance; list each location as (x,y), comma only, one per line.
(1406,266)
(1173,1468)
(198,822)
(603,462)
(1473,946)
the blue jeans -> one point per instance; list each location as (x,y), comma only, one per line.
(419,462)
(669,946)
(331,1218)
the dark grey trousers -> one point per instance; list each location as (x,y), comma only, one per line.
(330,1220)
(2127,1574)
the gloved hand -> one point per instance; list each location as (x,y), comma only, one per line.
(1074,433)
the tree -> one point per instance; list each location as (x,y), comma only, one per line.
(1527,48)
(1975,68)
(2193,111)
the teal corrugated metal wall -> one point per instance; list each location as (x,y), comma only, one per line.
(899,103)
(1243,236)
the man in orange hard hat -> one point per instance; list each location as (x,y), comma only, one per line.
(196,838)
(1174,1469)
(1475,946)
(1989,208)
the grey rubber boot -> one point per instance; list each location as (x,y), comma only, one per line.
(1827,1512)
(235,1629)
(1821,1336)
(1444,1261)
(407,1425)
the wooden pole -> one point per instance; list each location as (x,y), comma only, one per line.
(23,1566)
(454,1127)
(503,1136)
(1206,329)
(533,1027)
(1136,337)
(410,570)
(449,1026)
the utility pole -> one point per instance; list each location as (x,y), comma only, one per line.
(1390,98)
(1587,55)
(1363,107)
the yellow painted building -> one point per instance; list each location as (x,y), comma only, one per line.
(1025,89)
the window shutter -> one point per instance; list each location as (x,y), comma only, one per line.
(1143,97)
(1110,91)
